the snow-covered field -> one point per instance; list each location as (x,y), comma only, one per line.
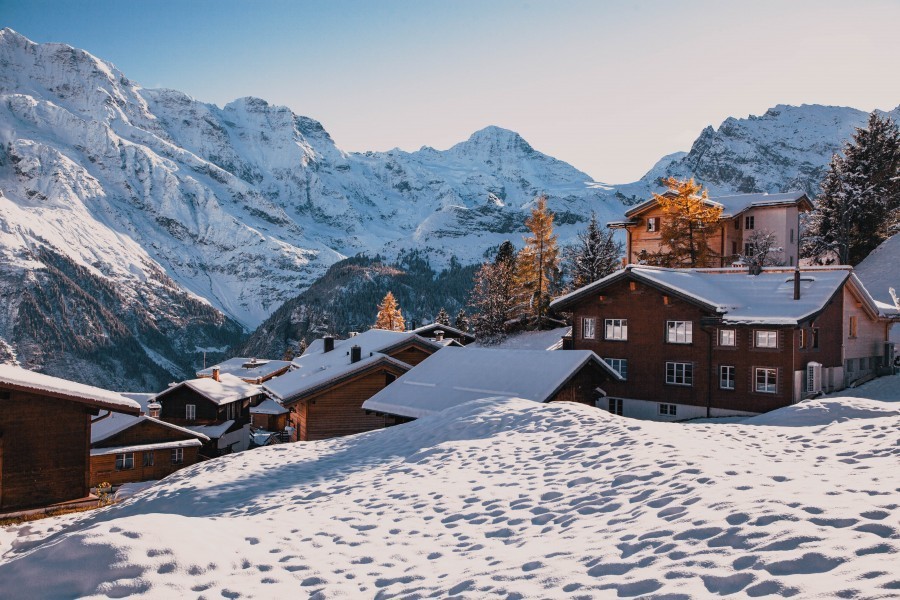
(513,499)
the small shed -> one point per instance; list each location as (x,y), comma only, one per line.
(269,415)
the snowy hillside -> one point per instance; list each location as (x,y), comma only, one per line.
(507,498)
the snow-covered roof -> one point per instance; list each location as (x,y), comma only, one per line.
(248,369)
(22,379)
(455,376)
(371,341)
(731,205)
(268,407)
(212,431)
(147,447)
(428,331)
(740,298)
(114,424)
(532,340)
(880,271)
(228,389)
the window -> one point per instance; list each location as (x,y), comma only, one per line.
(177,456)
(802,338)
(620,365)
(389,378)
(615,406)
(766,339)
(616,329)
(231,410)
(815,338)
(680,373)
(679,332)
(148,459)
(124,461)
(190,411)
(652,223)
(727,337)
(737,223)
(766,380)
(747,249)
(668,409)
(852,332)
(726,377)
(791,261)
(792,235)
(587,328)
(749,222)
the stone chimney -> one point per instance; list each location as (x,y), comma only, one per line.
(797,283)
(355,354)
(154,409)
(439,335)
(329,343)
(215,372)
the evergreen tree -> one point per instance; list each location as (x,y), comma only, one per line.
(538,276)
(493,296)
(596,255)
(442,318)
(687,223)
(462,321)
(389,315)
(859,206)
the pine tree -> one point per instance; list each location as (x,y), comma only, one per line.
(688,221)
(493,297)
(462,321)
(859,206)
(596,255)
(442,318)
(538,276)
(389,315)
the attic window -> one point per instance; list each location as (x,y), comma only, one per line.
(666,300)
(632,285)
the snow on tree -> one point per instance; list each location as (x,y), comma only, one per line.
(462,321)
(596,255)
(538,276)
(442,318)
(688,221)
(493,296)
(389,315)
(859,206)
(764,249)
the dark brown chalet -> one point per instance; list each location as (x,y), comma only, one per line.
(721,342)
(128,449)
(45,433)
(217,406)
(444,334)
(329,383)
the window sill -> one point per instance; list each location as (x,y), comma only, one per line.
(684,385)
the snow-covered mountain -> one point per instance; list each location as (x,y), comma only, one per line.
(203,220)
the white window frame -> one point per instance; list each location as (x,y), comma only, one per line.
(652,224)
(177,456)
(615,329)
(125,461)
(680,332)
(765,338)
(666,409)
(680,373)
(588,328)
(728,338)
(620,365)
(190,412)
(726,377)
(770,380)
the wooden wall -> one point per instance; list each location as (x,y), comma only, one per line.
(103,468)
(581,388)
(411,355)
(44,445)
(208,412)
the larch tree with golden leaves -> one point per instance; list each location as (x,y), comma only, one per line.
(389,315)
(689,221)
(537,264)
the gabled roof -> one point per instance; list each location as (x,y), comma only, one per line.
(740,298)
(427,331)
(732,205)
(268,407)
(228,389)
(116,424)
(371,341)
(248,369)
(214,431)
(455,376)
(168,444)
(29,381)
(879,272)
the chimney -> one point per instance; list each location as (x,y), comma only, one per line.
(438,335)
(154,409)
(329,343)
(215,373)
(355,354)
(797,283)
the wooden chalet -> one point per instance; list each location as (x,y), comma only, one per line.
(329,383)
(45,432)
(217,407)
(126,449)
(444,334)
(250,370)
(742,216)
(724,342)
(269,415)
(456,375)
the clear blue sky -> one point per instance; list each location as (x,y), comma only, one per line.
(607,86)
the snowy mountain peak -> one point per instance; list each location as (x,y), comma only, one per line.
(494,140)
